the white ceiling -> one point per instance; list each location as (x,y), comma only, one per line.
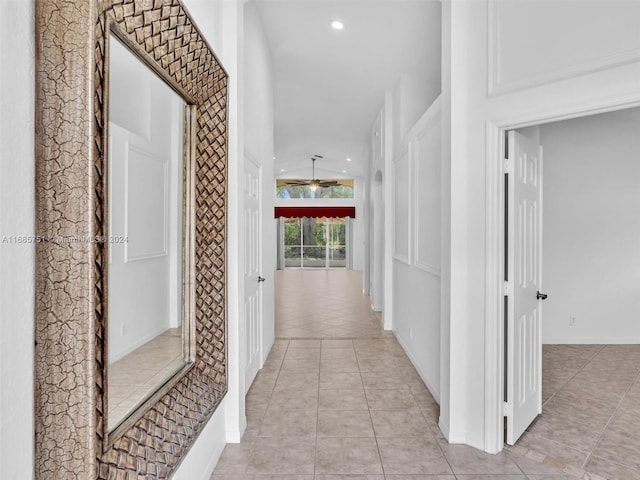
(329,84)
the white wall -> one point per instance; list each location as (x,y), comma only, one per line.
(416,268)
(234,38)
(17,212)
(401,108)
(375,196)
(405,143)
(258,139)
(584,58)
(411,98)
(221,23)
(591,227)
(381,214)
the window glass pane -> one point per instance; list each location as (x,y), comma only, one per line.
(292,231)
(292,257)
(315,243)
(286,189)
(314,257)
(337,244)
(337,257)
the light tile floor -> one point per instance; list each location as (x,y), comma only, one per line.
(323,303)
(591,410)
(349,408)
(137,375)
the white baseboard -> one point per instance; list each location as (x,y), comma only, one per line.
(235,436)
(115,356)
(452,437)
(434,392)
(592,341)
(444,428)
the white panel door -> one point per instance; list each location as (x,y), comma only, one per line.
(252,278)
(524,345)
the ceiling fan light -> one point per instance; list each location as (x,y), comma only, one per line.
(313,186)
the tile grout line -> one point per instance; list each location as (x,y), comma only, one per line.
(267,409)
(585,473)
(574,375)
(366,399)
(591,359)
(444,455)
(584,464)
(315,456)
(610,419)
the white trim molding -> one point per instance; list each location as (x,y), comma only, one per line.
(496,86)
(426,124)
(432,390)
(494,247)
(402,253)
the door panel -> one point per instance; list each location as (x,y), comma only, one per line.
(524,346)
(252,288)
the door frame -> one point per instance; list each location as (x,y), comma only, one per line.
(495,247)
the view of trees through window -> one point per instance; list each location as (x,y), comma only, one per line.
(315,243)
(344,189)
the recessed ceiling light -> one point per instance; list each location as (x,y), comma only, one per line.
(348,159)
(337,25)
(344,171)
(282,169)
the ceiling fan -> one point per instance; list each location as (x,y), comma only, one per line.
(314,183)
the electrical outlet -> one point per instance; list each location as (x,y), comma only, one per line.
(122,330)
(572,321)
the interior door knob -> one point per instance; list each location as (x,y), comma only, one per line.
(541,296)
(261,279)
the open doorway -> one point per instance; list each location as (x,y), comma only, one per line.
(572,233)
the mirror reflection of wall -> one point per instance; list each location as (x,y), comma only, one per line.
(145,335)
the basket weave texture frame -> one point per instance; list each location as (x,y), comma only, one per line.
(71,264)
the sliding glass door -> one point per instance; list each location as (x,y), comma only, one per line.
(315,243)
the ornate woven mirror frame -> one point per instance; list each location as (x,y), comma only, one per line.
(70,353)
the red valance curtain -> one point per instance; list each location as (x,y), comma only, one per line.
(315,212)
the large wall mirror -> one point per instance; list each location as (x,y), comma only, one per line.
(149,161)
(131,165)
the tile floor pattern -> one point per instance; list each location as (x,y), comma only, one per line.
(340,409)
(135,376)
(348,408)
(324,303)
(338,399)
(591,410)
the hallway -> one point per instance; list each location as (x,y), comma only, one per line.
(349,408)
(324,303)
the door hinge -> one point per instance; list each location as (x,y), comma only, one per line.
(507,410)
(507,289)
(508,165)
